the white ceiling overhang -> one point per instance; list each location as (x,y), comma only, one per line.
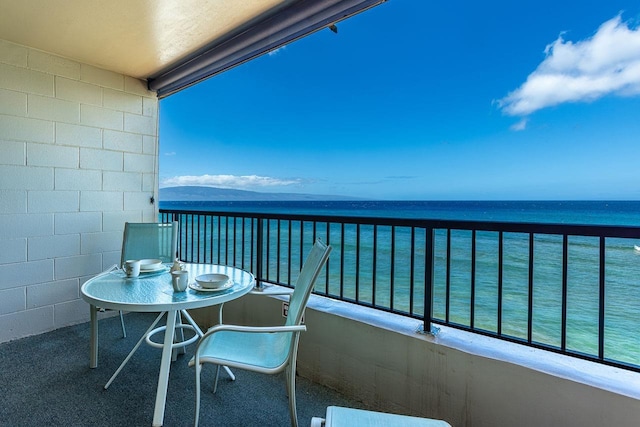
(171,43)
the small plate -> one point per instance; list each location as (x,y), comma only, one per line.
(199,288)
(212,281)
(146,273)
(152,270)
(150,264)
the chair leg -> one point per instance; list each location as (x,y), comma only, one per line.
(318,422)
(197,414)
(291,389)
(124,331)
(215,383)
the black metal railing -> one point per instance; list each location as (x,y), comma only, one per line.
(571,289)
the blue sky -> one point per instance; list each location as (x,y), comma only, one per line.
(426,100)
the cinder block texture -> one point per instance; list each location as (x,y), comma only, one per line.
(78,158)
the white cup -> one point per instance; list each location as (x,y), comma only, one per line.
(179,280)
(132,267)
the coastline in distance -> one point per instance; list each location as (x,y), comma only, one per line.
(201,193)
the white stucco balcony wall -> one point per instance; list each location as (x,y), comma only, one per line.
(463,378)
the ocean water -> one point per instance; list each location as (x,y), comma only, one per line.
(562,212)
(399,285)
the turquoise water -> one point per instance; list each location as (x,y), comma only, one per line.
(562,212)
(622,270)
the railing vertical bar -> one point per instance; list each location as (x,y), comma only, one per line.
(219,237)
(184,231)
(328,263)
(194,231)
(212,237)
(392,269)
(412,263)
(210,228)
(289,253)
(252,251)
(203,237)
(179,248)
(278,254)
(602,294)
(192,238)
(198,240)
(357,278)
(268,250)
(226,241)
(222,241)
(187,232)
(375,265)
(342,248)
(242,245)
(500,282)
(448,279)
(315,230)
(428,278)
(187,242)
(235,240)
(181,245)
(473,281)
(259,248)
(565,257)
(202,253)
(530,281)
(301,258)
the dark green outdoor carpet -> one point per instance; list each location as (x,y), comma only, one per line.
(46,381)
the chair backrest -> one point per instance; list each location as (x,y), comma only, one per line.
(153,240)
(313,264)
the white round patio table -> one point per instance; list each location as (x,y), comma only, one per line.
(153,292)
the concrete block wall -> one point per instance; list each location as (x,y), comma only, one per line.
(78,158)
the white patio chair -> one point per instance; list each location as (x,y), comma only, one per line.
(154,240)
(268,350)
(148,240)
(338,416)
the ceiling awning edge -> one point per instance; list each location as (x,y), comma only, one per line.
(289,24)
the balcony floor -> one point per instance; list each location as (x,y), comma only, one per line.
(46,380)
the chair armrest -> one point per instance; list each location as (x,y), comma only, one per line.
(245,329)
(270,291)
(256,329)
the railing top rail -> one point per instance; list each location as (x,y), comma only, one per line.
(495,226)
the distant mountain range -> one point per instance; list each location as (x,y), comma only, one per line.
(195,193)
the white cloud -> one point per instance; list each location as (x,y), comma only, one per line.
(170,153)
(228,181)
(607,63)
(521,125)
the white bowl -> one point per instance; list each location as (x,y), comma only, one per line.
(212,281)
(150,264)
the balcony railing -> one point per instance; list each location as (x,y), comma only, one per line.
(570,289)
